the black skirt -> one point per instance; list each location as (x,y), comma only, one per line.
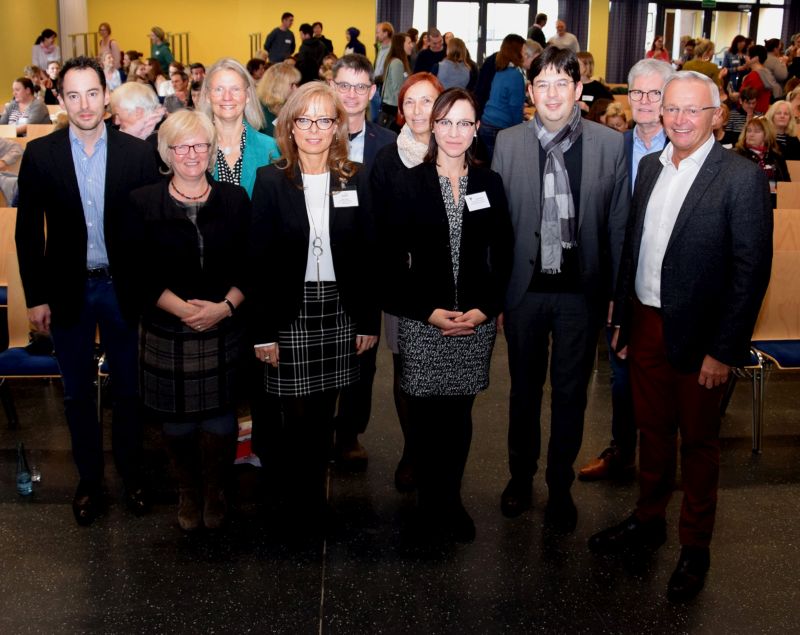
(318,350)
(185,374)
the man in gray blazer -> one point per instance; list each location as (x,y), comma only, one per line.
(695,269)
(567,186)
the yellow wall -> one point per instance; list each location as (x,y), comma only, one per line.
(598,35)
(22,22)
(219,29)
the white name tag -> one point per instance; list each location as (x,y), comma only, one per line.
(477,201)
(288,41)
(345,198)
(587,97)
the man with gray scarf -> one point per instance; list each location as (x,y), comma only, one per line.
(567,185)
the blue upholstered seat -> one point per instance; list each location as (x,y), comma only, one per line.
(17,362)
(786,353)
(3,295)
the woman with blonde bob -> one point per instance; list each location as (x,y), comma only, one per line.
(273,90)
(780,116)
(229,98)
(189,288)
(311,253)
(758,143)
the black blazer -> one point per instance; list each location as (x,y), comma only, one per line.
(162,250)
(279,251)
(717,264)
(415,239)
(54,270)
(376,137)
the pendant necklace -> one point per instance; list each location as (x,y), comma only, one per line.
(316,245)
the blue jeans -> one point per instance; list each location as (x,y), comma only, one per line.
(623,425)
(75,349)
(375,106)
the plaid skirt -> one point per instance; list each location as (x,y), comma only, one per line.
(185,374)
(318,350)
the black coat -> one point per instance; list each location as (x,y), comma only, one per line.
(162,248)
(415,242)
(279,252)
(53,271)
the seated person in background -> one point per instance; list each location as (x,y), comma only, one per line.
(197,71)
(592,88)
(719,126)
(10,153)
(182,95)
(114,77)
(598,109)
(740,114)
(760,78)
(780,116)
(757,142)
(24,108)
(137,111)
(256,67)
(278,83)
(615,117)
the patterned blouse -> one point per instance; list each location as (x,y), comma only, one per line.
(227,174)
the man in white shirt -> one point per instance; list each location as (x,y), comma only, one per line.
(563,39)
(695,268)
(354,81)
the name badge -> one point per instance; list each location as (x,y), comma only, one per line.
(345,198)
(587,97)
(288,41)
(477,201)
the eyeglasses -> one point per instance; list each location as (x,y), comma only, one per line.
(637,95)
(344,87)
(689,111)
(561,85)
(235,91)
(323,123)
(463,126)
(199,148)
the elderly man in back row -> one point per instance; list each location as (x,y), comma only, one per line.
(695,268)
(645,82)
(568,193)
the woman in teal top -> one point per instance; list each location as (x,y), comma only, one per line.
(159,47)
(229,97)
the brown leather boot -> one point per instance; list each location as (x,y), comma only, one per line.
(183,454)
(218,454)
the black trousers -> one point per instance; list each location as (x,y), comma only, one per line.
(573,326)
(355,400)
(441,433)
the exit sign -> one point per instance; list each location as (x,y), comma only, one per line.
(709,4)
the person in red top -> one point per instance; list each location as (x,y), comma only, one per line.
(760,78)
(657,50)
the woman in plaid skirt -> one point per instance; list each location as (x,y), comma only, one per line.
(185,239)
(314,305)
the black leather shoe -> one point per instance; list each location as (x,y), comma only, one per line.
(561,515)
(137,499)
(516,498)
(632,534)
(690,575)
(460,525)
(87,504)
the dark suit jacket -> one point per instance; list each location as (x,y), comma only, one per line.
(717,264)
(161,249)
(603,207)
(375,138)
(628,136)
(415,238)
(279,252)
(54,270)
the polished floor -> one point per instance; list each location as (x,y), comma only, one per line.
(140,575)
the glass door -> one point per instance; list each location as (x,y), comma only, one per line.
(463,20)
(502,19)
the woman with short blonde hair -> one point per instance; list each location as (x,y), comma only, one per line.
(273,90)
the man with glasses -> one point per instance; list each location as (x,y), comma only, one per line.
(645,82)
(568,193)
(694,271)
(353,80)
(77,181)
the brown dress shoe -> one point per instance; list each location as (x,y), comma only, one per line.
(609,465)
(351,456)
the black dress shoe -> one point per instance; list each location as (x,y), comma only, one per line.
(690,575)
(516,498)
(137,499)
(632,534)
(87,504)
(460,526)
(561,515)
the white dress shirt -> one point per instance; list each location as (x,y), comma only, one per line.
(665,203)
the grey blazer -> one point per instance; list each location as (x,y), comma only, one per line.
(717,264)
(603,212)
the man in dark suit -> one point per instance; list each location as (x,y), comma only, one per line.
(536,33)
(567,186)
(695,269)
(354,81)
(76,180)
(646,80)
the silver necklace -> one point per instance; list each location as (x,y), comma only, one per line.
(316,244)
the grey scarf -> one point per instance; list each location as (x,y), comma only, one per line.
(559,228)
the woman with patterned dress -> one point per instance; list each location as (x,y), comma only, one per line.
(312,265)
(447,244)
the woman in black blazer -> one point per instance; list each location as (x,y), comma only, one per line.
(448,247)
(183,254)
(314,305)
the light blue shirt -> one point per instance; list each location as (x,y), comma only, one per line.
(356,147)
(640,150)
(91,174)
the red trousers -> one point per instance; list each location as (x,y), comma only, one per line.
(666,402)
